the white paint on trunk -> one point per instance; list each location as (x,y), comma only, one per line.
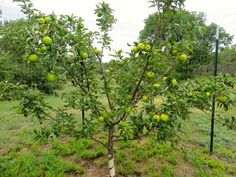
(111,166)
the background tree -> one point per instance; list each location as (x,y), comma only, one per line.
(14,67)
(227,60)
(203,35)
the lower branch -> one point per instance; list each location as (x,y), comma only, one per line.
(98,141)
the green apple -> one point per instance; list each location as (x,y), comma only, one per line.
(81,25)
(175,52)
(164,117)
(141,47)
(101,118)
(51,77)
(156,86)
(183,58)
(33,58)
(222,99)
(96,51)
(150,74)
(147,48)
(45,31)
(156,117)
(174,82)
(164,78)
(145,99)
(208,94)
(42,48)
(99,14)
(84,55)
(41,21)
(134,50)
(47,19)
(47,40)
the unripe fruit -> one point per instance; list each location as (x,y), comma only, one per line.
(183,58)
(134,50)
(96,51)
(145,99)
(156,118)
(42,48)
(41,21)
(47,19)
(156,86)
(101,119)
(222,99)
(208,94)
(174,82)
(164,78)
(175,52)
(99,14)
(81,25)
(84,55)
(45,32)
(150,74)
(164,117)
(141,47)
(147,48)
(51,77)
(33,58)
(47,40)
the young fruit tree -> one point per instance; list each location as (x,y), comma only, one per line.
(120,97)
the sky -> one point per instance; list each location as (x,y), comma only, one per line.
(131,14)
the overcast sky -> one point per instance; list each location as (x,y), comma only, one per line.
(131,14)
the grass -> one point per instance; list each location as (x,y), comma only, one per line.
(21,156)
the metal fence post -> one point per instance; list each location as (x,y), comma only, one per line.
(214,97)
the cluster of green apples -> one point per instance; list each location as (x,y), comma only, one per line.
(163,117)
(85,55)
(181,57)
(46,41)
(141,47)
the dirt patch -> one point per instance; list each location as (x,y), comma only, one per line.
(93,171)
(143,140)
(184,169)
(2,151)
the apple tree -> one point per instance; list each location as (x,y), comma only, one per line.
(119,98)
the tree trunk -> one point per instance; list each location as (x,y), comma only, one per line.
(111,164)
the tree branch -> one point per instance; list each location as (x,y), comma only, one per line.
(105,145)
(81,87)
(105,82)
(133,100)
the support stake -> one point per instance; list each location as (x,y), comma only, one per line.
(214,97)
